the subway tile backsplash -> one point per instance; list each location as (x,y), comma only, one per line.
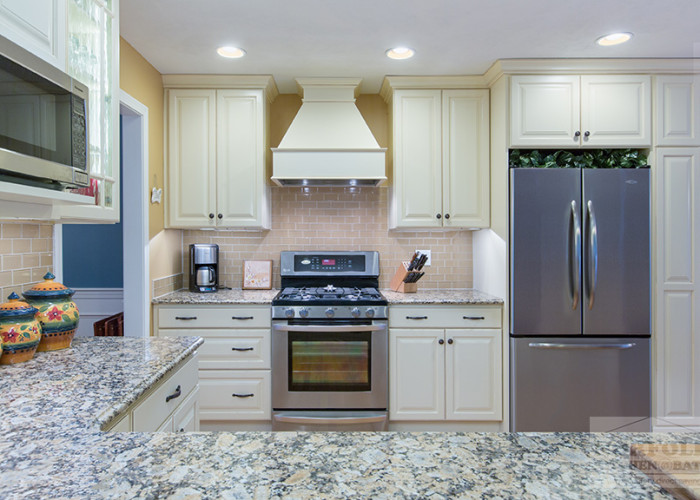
(337,219)
(26,254)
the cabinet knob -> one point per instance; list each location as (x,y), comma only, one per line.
(450,341)
(577,134)
(447,216)
(220,216)
(438,216)
(211,216)
(586,134)
(441,341)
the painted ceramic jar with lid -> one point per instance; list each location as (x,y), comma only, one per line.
(19,329)
(57,313)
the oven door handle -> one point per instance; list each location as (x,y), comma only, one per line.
(293,419)
(328,328)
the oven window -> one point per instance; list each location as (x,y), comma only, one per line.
(330,362)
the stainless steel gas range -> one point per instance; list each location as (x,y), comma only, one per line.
(329,343)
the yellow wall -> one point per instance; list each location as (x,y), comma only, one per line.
(143,82)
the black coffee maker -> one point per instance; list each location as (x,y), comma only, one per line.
(204,267)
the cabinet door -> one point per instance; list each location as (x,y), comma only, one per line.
(677,110)
(416,374)
(417,192)
(615,110)
(191,158)
(465,158)
(240,166)
(544,111)
(473,375)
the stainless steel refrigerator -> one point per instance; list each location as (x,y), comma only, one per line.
(579,299)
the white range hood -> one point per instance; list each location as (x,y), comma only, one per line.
(328,142)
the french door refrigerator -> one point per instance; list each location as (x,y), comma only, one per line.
(579,299)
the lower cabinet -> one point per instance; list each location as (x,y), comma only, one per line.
(444,368)
(234,365)
(170,406)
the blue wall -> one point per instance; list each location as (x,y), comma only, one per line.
(93,253)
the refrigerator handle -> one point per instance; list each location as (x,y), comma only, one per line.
(592,265)
(575,263)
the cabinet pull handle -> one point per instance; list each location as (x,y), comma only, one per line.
(241,348)
(438,216)
(441,341)
(450,341)
(174,395)
(242,395)
(416,317)
(186,318)
(242,317)
(475,318)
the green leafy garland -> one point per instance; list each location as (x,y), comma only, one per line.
(596,158)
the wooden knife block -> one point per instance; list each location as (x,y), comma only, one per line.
(397,283)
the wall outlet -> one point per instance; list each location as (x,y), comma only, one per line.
(425,252)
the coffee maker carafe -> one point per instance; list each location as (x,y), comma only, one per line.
(204,267)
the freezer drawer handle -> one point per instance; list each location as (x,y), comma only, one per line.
(416,317)
(240,349)
(242,395)
(475,318)
(176,394)
(186,318)
(547,345)
(243,317)
(329,420)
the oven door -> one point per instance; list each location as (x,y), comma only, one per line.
(330,366)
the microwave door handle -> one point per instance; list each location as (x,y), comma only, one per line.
(328,328)
(292,419)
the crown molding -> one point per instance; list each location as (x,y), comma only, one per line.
(265,82)
(391,83)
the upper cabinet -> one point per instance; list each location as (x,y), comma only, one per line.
(441,158)
(217,147)
(590,111)
(677,110)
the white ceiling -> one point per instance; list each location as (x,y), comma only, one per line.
(300,38)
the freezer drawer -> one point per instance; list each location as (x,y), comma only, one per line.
(580,384)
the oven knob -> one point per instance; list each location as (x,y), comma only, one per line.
(304,312)
(289,312)
(330,312)
(370,312)
(355,312)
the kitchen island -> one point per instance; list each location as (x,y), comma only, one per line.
(52,446)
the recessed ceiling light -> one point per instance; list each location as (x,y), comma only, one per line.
(614,39)
(230,52)
(400,53)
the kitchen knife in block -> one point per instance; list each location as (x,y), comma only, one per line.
(397,284)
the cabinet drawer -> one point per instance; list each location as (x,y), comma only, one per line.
(445,316)
(239,395)
(214,317)
(229,348)
(154,410)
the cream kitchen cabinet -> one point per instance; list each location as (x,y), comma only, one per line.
(445,363)
(234,367)
(171,405)
(590,111)
(218,155)
(441,158)
(677,110)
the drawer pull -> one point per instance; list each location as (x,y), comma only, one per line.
(242,395)
(243,317)
(186,318)
(176,394)
(475,318)
(242,348)
(416,317)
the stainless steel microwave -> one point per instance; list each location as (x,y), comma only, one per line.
(43,122)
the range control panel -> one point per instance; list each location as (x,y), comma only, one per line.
(329,263)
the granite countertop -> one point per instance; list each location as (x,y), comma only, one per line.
(242,297)
(51,446)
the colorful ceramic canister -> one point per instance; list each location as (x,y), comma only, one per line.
(57,314)
(19,329)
